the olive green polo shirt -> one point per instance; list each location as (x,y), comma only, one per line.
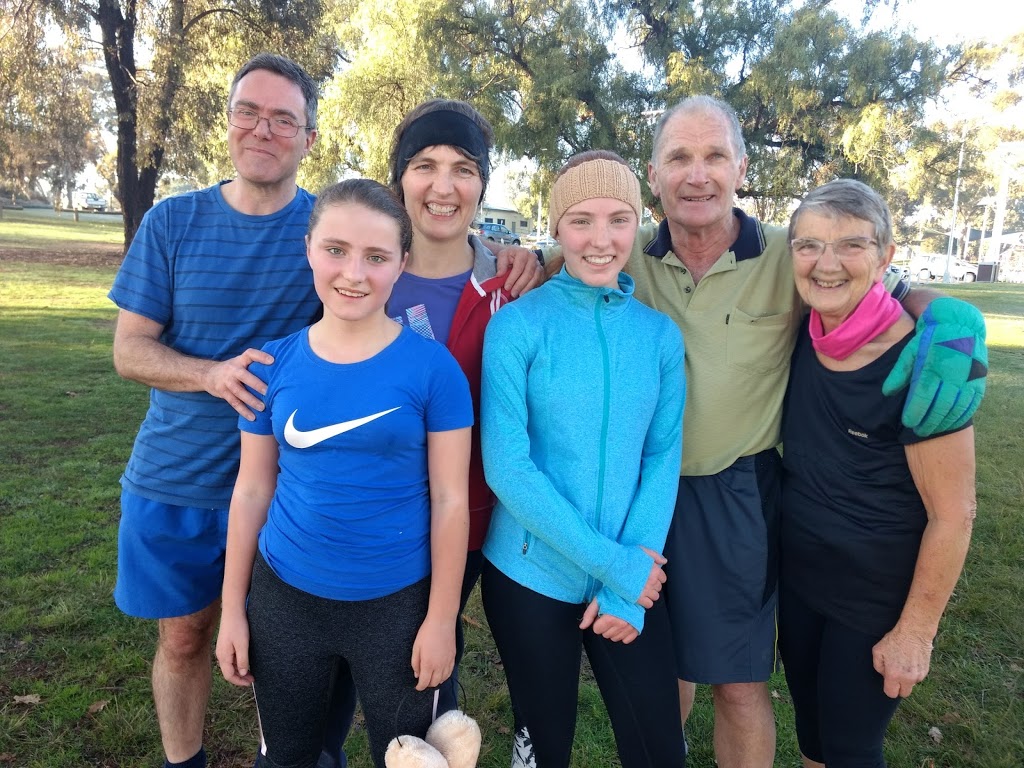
(739,325)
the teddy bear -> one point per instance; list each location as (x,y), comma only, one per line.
(453,741)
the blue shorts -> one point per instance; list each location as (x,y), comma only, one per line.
(170,560)
(722,570)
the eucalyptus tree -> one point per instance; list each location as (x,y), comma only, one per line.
(48,127)
(977,132)
(541,71)
(23,53)
(545,73)
(819,95)
(389,63)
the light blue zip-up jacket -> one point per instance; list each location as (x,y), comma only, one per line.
(581,420)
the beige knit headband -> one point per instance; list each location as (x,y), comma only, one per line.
(594,178)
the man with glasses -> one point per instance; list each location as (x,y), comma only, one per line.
(210,277)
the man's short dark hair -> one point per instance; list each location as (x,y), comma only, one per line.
(288,69)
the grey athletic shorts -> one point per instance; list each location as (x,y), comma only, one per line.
(722,552)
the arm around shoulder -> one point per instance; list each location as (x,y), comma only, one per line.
(140,355)
(945,365)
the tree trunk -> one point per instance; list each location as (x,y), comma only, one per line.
(118,31)
(137,186)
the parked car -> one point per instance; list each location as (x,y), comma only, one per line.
(90,201)
(929,266)
(496,232)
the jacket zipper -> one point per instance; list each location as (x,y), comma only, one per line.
(605,425)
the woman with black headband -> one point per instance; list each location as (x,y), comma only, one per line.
(450,289)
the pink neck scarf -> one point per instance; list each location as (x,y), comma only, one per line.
(877,312)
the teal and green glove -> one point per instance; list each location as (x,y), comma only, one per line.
(945,366)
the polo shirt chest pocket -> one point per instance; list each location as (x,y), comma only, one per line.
(758,344)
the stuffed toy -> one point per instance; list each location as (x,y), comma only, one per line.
(453,741)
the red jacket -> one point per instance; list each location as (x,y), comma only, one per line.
(479,301)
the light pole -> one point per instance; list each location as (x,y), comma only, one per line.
(1008,156)
(956,200)
(987,203)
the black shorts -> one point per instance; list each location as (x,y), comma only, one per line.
(722,588)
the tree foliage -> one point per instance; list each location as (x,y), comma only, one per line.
(820,95)
(48,125)
(985,120)
(388,66)
(540,71)
(166,99)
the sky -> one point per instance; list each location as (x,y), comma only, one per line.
(949,21)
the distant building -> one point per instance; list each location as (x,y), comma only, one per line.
(510,217)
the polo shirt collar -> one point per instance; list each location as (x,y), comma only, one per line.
(749,244)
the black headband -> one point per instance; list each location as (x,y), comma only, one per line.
(443,127)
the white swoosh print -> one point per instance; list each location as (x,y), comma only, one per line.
(297,438)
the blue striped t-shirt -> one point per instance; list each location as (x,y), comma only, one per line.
(219,281)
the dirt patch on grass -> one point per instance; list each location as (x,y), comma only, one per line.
(77,255)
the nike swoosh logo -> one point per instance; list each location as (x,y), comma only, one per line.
(297,438)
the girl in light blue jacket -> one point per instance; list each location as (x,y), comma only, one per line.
(581,418)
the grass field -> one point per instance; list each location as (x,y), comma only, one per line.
(41,228)
(74,672)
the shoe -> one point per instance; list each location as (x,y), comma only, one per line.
(522,750)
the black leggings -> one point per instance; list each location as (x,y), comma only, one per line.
(841,710)
(540,641)
(342,708)
(301,644)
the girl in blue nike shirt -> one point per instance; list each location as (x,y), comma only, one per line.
(348,524)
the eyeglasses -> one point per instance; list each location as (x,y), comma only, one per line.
(280,125)
(845,248)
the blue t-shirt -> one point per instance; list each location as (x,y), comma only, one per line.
(350,518)
(219,281)
(427,304)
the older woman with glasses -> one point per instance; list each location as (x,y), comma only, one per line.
(876,520)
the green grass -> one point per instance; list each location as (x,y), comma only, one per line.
(41,228)
(67,428)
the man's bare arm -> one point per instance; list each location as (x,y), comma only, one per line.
(525,271)
(140,356)
(917,300)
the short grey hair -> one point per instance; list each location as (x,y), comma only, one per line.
(852,198)
(703,104)
(289,70)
